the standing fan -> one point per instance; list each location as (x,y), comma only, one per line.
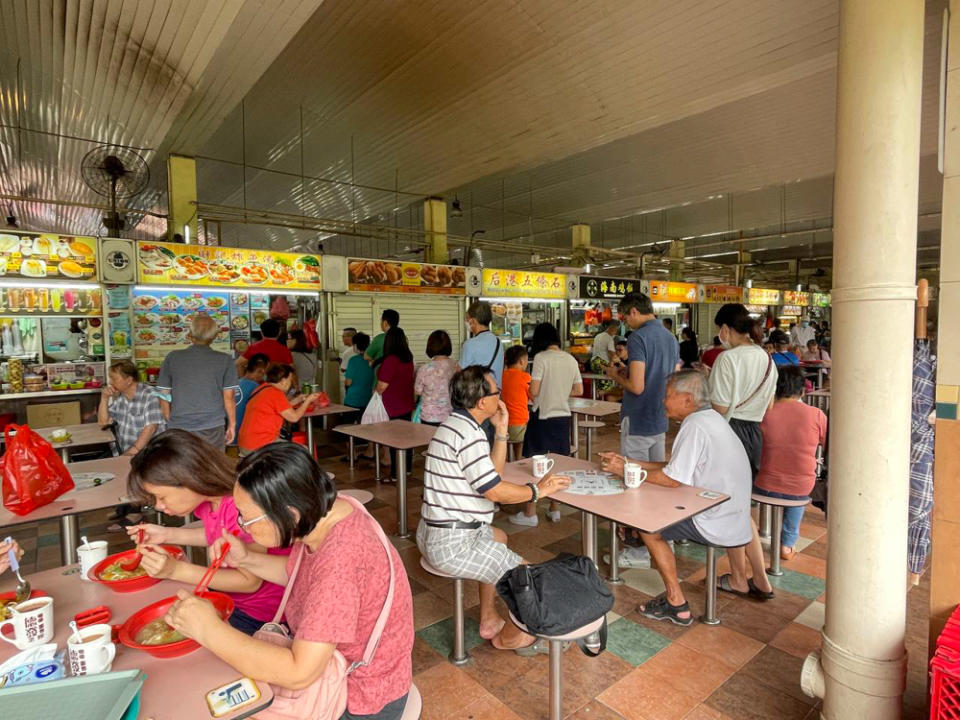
(115,172)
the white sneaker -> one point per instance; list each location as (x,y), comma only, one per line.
(631,557)
(554,515)
(521,519)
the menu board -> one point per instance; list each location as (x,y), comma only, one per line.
(661,291)
(516,283)
(763,296)
(606,288)
(173,263)
(48,257)
(119,333)
(240,322)
(50,301)
(791,297)
(722,294)
(821,299)
(403,277)
(161,320)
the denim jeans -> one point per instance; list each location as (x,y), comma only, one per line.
(791,516)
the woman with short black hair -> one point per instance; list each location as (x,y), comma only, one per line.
(395,380)
(340,572)
(433,379)
(268,407)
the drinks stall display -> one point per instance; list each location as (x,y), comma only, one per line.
(521,300)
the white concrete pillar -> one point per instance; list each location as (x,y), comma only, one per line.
(862,667)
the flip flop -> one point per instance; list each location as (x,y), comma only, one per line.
(660,609)
(761,595)
(723,583)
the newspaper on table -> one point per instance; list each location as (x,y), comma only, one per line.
(593,482)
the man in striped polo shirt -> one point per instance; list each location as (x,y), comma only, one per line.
(461,483)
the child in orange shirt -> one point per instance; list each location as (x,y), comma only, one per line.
(515,393)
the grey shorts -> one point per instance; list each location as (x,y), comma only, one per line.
(685,530)
(650,448)
(468,554)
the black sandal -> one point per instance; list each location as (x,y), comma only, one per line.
(761,595)
(660,609)
(723,583)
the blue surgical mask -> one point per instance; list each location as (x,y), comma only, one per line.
(806,324)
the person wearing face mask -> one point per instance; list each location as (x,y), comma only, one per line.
(744,378)
(801,334)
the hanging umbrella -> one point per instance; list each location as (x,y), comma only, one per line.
(921,442)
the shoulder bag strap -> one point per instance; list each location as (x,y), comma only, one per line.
(496,351)
(299,550)
(760,386)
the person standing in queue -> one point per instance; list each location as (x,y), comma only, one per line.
(395,381)
(269,345)
(388,319)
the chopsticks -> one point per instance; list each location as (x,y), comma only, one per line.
(208,575)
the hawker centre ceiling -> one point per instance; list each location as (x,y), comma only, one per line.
(329,121)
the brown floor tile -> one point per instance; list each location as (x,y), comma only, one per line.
(752,619)
(626,599)
(785,604)
(811,530)
(780,671)
(595,710)
(641,696)
(424,657)
(808,565)
(817,550)
(722,644)
(488,708)
(705,712)
(429,608)
(743,698)
(689,671)
(446,691)
(494,668)
(797,639)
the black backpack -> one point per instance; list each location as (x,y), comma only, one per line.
(558,596)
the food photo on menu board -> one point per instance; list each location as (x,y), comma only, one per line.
(48,257)
(406,277)
(202,265)
(161,320)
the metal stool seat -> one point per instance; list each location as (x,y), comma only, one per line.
(361,496)
(459,655)
(777,504)
(590,426)
(556,657)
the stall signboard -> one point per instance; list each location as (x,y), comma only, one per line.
(821,299)
(763,296)
(520,284)
(48,257)
(606,288)
(28,300)
(405,277)
(661,291)
(800,299)
(722,294)
(176,264)
(792,310)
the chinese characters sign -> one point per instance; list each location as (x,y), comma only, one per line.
(173,263)
(601,288)
(800,299)
(763,296)
(516,283)
(661,291)
(722,294)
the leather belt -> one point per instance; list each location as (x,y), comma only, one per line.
(454,524)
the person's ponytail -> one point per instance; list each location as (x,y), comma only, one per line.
(756,331)
(736,317)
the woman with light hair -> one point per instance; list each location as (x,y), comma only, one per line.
(197,386)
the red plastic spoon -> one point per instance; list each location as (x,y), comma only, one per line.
(134,562)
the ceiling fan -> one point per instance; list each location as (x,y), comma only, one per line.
(115,172)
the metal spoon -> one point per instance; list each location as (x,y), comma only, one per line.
(22,592)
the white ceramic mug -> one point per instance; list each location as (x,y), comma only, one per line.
(93,652)
(32,623)
(542,465)
(89,555)
(633,475)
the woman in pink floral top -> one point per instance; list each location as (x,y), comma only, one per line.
(433,379)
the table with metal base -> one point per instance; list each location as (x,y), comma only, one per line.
(400,435)
(324,412)
(81,436)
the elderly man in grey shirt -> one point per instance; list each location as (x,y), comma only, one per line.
(197,386)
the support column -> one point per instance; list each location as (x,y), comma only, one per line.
(435,225)
(861,673)
(677,251)
(182,198)
(580,243)
(945,536)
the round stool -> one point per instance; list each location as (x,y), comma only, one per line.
(590,426)
(556,656)
(362,496)
(777,504)
(459,655)
(411,711)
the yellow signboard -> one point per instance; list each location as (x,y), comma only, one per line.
(763,296)
(517,283)
(661,291)
(176,264)
(791,297)
(405,277)
(47,257)
(722,294)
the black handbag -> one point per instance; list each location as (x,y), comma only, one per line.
(557,597)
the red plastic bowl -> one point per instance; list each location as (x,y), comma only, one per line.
(130,584)
(133,625)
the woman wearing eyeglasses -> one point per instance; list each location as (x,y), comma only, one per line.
(339,577)
(178,473)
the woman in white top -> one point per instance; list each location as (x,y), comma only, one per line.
(554,379)
(744,378)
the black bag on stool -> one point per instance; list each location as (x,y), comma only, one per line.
(558,596)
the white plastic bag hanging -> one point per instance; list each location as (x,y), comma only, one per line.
(375,411)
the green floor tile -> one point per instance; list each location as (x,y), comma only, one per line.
(439,636)
(807,586)
(634,643)
(692,551)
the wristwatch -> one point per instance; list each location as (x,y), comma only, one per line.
(504,438)
(535,490)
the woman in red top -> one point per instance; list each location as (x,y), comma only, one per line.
(268,407)
(395,381)
(788,468)
(286,500)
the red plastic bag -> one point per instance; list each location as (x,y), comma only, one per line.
(32,471)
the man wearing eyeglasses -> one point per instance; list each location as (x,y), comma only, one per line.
(460,486)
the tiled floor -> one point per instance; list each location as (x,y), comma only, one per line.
(746,668)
